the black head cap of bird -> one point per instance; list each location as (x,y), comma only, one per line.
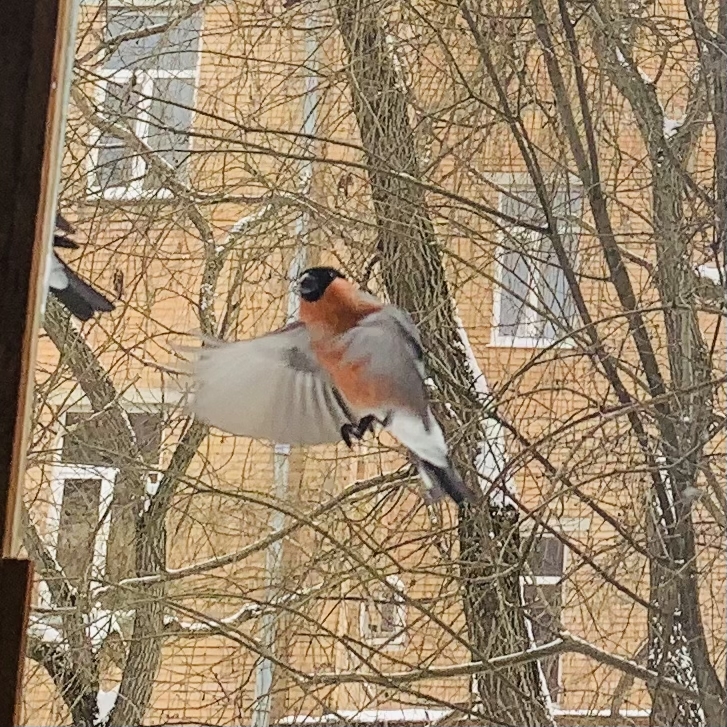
(313,282)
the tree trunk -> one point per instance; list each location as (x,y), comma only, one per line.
(142,662)
(675,589)
(678,642)
(667,644)
(414,279)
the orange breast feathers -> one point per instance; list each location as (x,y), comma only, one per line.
(338,310)
(341,307)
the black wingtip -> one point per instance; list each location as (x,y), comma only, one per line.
(74,303)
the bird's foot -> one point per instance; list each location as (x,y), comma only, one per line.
(349,431)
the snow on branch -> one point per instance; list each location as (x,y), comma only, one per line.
(247,222)
(248,612)
(417,715)
(711,272)
(490,461)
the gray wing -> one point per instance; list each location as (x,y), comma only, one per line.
(268,388)
(390,344)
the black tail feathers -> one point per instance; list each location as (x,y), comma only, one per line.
(441,480)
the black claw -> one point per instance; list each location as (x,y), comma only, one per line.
(346,431)
(365,425)
(349,431)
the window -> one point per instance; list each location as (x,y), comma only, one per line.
(543,599)
(148,91)
(83,443)
(383,614)
(81,519)
(533,305)
(78,523)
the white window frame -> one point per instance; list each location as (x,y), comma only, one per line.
(60,473)
(398,639)
(531,303)
(145,81)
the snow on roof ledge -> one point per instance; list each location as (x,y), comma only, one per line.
(428,716)
(371,716)
(630,713)
(414,715)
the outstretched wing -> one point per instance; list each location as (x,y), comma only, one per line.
(389,344)
(271,388)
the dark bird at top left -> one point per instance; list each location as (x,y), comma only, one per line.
(74,293)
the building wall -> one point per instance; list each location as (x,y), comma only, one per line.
(249,73)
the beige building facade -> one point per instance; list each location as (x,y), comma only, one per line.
(204,161)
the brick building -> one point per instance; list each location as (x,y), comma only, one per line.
(202,159)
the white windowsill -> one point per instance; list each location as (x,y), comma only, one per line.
(541,580)
(499,341)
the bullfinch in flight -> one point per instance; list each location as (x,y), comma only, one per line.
(78,296)
(349,362)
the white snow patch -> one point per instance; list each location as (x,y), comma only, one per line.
(545,690)
(105,701)
(43,631)
(671,126)
(400,74)
(100,623)
(665,474)
(624,62)
(479,378)
(452,412)
(645,77)
(600,712)
(151,486)
(153,480)
(429,383)
(195,626)
(490,460)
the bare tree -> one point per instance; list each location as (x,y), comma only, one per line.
(542,186)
